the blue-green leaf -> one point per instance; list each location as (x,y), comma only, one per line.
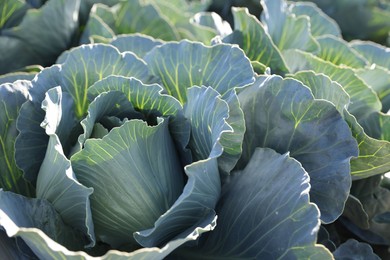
(80,68)
(12,96)
(55,23)
(223,67)
(250,34)
(364,101)
(207,113)
(150,101)
(68,196)
(284,27)
(283,115)
(337,51)
(264,213)
(28,218)
(320,23)
(373,52)
(374,155)
(43,234)
(134,183)
(137,43)
(352,249)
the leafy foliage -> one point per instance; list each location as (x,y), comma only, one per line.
(160,131)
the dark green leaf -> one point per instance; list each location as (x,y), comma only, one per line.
(264,213)
(12,96)
(251,36)
(283,115)
(353,249)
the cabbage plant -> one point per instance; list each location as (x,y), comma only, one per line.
(109,154)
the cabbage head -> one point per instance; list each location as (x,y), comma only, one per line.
(144,149)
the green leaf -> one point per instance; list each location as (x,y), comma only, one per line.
(377,125)
(207,113)
(251,36)
(354,211)
(96,28)
(80,68)
(373,154)
(68,196)
(284,27)
(378,78)
(9,9)
(283,115)
(322,87)
(137,43)
(144,17)
(12,96)
(353,249)
(186,64)
(373,52)
(264,212)
(143,185)
(54,23)
(337,51)
(375,200)
(320,23)
(364,101)
(199,198)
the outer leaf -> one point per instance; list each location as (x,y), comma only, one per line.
(68,196)
(283,115)
(55,22)
(96,27)
(375,200)
(337,51)
(12,96)
(46,247)
(373,52)
(264,212)
(250,34)
(354,249)
(322,87)
(137,43)
(373,154)
(18,213)
(284,27)
(320,23)
(378,78)
(81,67)
(137,16)
(185,64)
(363,99)
(14,248)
